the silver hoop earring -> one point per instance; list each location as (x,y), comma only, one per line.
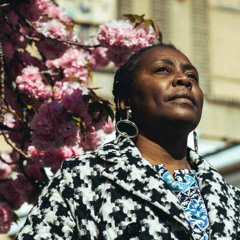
(128,123)
(195,140)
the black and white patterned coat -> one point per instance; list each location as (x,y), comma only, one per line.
(113,193)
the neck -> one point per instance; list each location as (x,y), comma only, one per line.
(173,156)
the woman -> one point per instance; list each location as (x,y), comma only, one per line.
(151,186)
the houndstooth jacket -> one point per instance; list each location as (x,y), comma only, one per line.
(112,193)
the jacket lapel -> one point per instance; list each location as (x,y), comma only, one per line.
(221,199)
(135,175)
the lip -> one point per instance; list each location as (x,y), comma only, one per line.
(183,97)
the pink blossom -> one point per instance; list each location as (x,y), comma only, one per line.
(5,217)
(11,41)
(118,55)
(122,39)
(109,126)
(5,165)
(34,9)
(117,33)
(98,121)
(9,120)
(77,150)
(58,90)
(33,170)
(75,103)
(13,38)
(54,157)
(46,97)
(53,127)
(99,57)
(79,107)
(54,29)
(73,63)
(33,153)
(51,48)
(98,135)
(11,194)
(12,160)
(51,21)
(52,10)
(31,84)
(123,34)
(145,36)
(28,187)
(29,60)
(45,123)
(63,87)
(92,141)
(68,133)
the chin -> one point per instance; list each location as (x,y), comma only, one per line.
(185,122)
(187,115)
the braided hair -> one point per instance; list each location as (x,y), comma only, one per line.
(122,86)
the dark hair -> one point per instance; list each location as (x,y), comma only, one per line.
(124,76)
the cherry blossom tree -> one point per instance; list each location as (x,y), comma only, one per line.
(47,111)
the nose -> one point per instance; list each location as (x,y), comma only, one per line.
(182,80)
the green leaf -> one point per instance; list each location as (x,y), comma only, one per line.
(29,107)
(136,20)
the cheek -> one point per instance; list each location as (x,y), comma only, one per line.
(199,100)
(199,97)
(149,89)
(148,95)
(147,99)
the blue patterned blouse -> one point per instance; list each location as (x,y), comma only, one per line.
(185,186)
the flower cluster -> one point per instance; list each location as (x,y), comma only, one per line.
(121,38)
(31,84)
(48,113)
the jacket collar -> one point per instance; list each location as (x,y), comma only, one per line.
(221,199)
(131,172)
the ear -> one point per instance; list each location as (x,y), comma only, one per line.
(123,105)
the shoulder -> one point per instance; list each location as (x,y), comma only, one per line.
(90,161)
(80,175)
(86,155)
(210,179)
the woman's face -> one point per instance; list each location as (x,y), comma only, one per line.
(166,91)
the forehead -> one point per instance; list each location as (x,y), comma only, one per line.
(156,54)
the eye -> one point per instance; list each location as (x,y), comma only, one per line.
(162,69)
(193,76)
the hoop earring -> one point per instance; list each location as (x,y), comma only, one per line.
(129,123)
(195,140)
